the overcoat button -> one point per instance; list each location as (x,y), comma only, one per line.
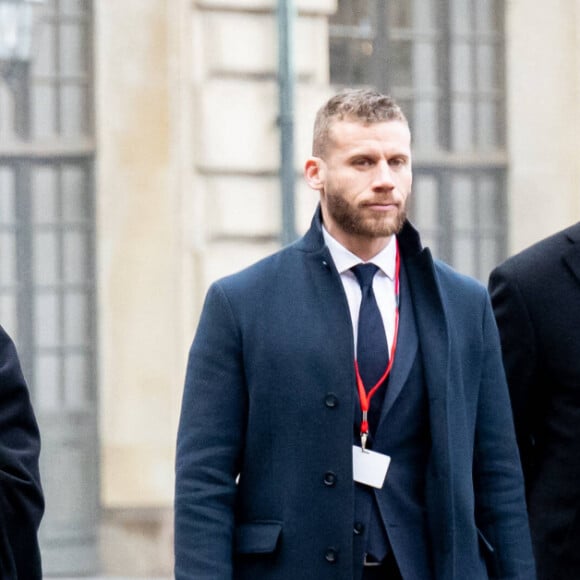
(358,528)
(331,400)
(330,479)
(331,555)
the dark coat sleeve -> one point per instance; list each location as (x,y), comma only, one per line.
(499,487)
(21,499)
(209,443)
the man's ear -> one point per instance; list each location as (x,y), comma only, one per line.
(314,173)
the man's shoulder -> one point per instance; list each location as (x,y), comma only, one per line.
(451,278)
(536,259)
(547,246)
(460,294)
(7,348)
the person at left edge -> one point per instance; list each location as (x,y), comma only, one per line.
(21,498)
(271,395)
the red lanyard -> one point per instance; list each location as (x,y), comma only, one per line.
(365,398)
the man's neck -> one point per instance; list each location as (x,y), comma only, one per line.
(365,248)
(336,246)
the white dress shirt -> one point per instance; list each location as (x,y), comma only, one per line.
(383,282)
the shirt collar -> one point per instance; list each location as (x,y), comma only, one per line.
(344,259)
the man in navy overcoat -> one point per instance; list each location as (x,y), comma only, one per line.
(21,499)
(267,479)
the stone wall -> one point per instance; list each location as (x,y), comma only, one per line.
(543,79)
(187,191)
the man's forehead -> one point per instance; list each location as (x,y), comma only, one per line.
(347,130)
(353,124)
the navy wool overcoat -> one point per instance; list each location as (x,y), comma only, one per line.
(267,412)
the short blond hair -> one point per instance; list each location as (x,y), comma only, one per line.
(363,105)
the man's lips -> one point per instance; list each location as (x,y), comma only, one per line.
(380,206)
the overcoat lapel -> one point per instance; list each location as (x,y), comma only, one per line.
(326,291)
(406,351)
(435,346)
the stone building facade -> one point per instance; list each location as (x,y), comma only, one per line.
(180,155)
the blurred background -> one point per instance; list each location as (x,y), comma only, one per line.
(149,146)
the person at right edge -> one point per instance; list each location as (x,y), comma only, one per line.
(536,301)
(21,498)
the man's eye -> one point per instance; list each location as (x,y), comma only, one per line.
(397,162)
(363,162)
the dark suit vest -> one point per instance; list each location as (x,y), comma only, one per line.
(393,518)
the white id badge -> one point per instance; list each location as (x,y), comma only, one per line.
(369,467)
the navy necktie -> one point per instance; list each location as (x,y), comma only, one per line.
(372,352)
(372,355)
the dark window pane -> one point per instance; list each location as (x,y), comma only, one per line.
(45,195)
(48,378)
(75,257)
(44,110)
(74,194)
(7,194)
(7,259)
(47,316)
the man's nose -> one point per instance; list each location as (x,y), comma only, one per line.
(383,178)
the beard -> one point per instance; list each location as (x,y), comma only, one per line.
(363,222)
